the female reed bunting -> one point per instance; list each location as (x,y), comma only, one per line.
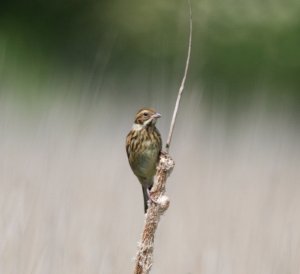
(143,146)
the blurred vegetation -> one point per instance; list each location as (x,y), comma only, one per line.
(239,48)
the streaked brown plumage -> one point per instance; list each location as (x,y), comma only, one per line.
(143,146)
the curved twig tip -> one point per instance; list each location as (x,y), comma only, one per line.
(182,82)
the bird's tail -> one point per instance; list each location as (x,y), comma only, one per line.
(146,197)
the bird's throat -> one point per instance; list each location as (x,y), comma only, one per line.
(137,127)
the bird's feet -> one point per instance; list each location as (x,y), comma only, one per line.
(150,196)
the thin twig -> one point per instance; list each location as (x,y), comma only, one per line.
(144,256)
(182,83)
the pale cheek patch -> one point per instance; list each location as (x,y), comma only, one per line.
(137,127)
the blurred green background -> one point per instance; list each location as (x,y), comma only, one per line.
(72,76)
(240,48)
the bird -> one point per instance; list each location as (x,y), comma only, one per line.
(143,147)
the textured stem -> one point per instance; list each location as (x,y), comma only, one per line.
(144,256)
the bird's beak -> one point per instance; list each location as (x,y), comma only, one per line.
(156,115)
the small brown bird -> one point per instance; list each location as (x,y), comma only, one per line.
(143,146)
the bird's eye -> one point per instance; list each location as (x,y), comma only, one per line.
(145,114)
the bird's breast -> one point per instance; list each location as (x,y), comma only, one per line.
(143,159)
(146,161)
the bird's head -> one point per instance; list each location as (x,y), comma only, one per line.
(146,117)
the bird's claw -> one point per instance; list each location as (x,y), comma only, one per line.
(150,197)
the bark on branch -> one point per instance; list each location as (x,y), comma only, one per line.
(144,256)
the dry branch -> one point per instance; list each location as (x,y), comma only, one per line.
(144,256)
